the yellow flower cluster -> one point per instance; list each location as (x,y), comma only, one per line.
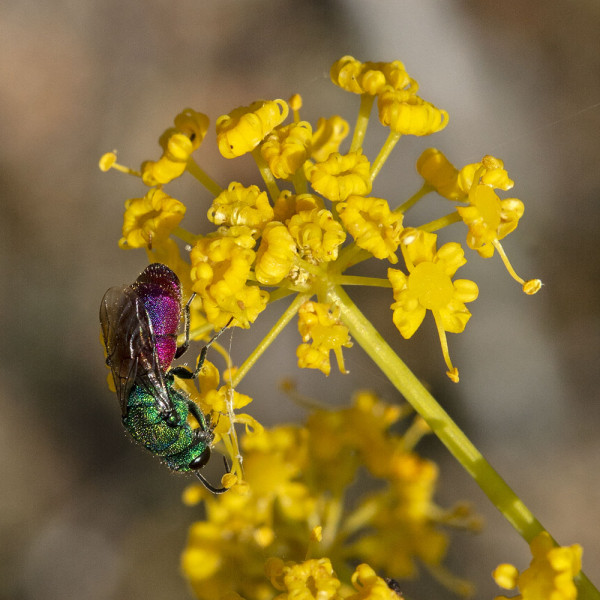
(321,323)
(302,240)
(295,480)
(296,236)
(488,218)
(549,576)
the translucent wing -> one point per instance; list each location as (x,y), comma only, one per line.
(131,348)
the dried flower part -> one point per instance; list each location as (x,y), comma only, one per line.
(246,127)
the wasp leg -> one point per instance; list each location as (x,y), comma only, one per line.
(184,372)
(208,485)
(203,421)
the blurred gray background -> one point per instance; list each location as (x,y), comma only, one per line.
(86,514)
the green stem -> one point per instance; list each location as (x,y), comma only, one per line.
(285,318)
(488,479)
(266,174)
(349,256)
(387,147)
(185,236)
(414,199)
(360,280)
(440,223)
(362,121)
(210,184)
(299,182)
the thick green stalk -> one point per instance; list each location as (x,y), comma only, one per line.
(497,490)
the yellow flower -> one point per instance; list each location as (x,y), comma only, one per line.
(317,234)
(370,77)
(202,557)
(321,323)
(149,221)
(287,204)
(490,171)
(273,464)
(429,286)
(192,124)
(239,205)
(373,225)
(232,540)
(440,174)
(177,143)
(369,586)
(220,270)
(312,579)
(245,127)
(215,399)
(275,256)
(549,576)
(407,114)
(326,140)
(287,148)
(401,527)
(336,451)
(490,219)
(341,175)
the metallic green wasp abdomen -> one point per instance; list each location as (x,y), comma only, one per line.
(178,444)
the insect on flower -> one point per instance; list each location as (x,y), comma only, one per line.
(139,327)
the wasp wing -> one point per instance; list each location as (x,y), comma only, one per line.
(131,347)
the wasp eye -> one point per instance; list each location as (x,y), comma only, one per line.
(172,419)
(201,460)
